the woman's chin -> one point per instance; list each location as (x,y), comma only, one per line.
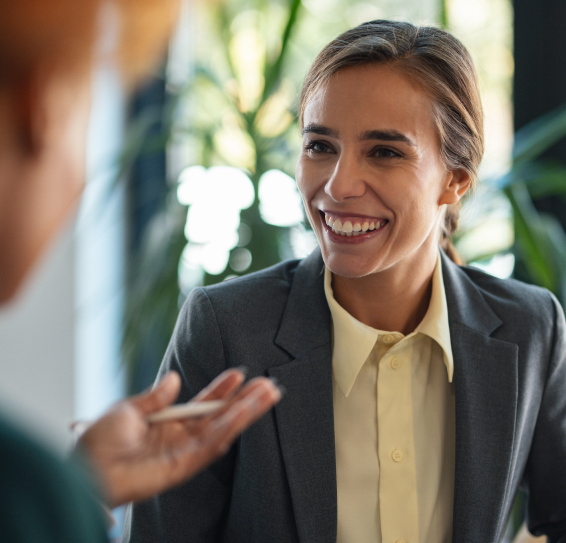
(348,266)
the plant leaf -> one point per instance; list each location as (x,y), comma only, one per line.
(273,71)
(537,136)
(532,237)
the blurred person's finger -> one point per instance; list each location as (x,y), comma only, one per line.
(163,394)
(222,386)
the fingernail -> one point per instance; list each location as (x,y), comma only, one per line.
(278,385)
(243,369)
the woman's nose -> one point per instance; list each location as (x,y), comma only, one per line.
(347,180)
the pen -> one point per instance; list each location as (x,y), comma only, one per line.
(186,410)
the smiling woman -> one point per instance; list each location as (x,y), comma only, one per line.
(420,394)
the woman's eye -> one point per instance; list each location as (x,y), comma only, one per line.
(318,147)
(385,152)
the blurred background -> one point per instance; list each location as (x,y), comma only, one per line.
(190,182)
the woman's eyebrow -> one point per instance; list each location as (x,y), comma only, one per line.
(386,135)
(320,130)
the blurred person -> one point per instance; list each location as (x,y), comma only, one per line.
(47,52)
(420,393)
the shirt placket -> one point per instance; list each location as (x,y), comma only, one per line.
(398,502)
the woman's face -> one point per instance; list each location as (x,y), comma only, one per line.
(370,173)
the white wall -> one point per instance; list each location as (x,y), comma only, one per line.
(99,258)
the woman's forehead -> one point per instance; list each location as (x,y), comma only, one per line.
(370,97)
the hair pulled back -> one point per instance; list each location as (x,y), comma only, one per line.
(440,65)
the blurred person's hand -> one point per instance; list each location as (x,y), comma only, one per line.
(135,459)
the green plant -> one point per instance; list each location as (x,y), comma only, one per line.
(259,118)
(539,239)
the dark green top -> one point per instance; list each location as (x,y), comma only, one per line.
(44,499)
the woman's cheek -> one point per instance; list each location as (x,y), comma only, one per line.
(302,187)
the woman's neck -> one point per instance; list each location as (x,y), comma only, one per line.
(395,299)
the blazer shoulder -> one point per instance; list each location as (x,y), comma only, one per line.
(256,299)
(513,297)
(275,277)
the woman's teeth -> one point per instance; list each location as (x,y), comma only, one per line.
(349,229)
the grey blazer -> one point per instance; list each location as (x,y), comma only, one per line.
(278,483)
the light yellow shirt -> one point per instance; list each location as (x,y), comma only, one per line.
(394,421)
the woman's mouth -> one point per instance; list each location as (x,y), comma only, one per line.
(352,227)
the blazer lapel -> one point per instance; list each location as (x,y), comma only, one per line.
(305,421)
(486,384)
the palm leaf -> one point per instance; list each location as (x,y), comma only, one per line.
(539,135)
(531,236)
(273,71)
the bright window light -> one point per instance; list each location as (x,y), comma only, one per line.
(206,223)
(192,185)
(501,266)
(280,202)
(230,185)
(215,197)
(215,186)
(190,267)
(214,258)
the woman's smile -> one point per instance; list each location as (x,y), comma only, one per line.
(351,228)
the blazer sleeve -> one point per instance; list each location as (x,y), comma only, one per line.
(193,511)
(546,466)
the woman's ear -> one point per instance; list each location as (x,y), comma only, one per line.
(456,185)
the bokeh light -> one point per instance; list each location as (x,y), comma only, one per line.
(215,186)
(240,259)
(280,201)
(215,197)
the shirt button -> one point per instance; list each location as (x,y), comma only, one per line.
(400,541)
(388,338)
(397,455)
(395,363)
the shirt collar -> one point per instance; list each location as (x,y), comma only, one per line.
(435,322)
(353,340)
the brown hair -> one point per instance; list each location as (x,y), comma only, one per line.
(63,33)
(436,61)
